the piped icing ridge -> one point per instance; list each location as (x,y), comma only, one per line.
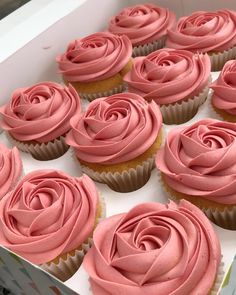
(142,23)
(49,213)
(199,160)
(115,129)
(169,75)
(204,32)
(154,249)
(96,57)
(10,169)
(224,96)
(40,112)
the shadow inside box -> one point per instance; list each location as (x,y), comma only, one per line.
(4,291)
(8,6)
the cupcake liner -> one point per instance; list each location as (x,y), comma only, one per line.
(145,49)
(184,110)
(219,59)
(92,96)
(42,151)
(219,278)
(65,268)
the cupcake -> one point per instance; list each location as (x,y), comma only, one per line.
(155,249)
(177,80)
(10,169)
(224,95)
(198,164)
(49,219)
(95,65)
(37,118)
(208,32)
(116,140)
(146,25)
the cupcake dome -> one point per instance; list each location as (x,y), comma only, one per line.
(154,249)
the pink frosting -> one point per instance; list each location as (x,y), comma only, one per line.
(115,129)
(225,89)
(199,160)
(96,57)
(169,75)
(49,213)
(41,112)
(169,248)
(204,31)
(142,23)
(10,168)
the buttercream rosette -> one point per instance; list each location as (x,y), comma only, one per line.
(96,64)
(37,118)
(49,219)
(208,32)
(224,92)
(177,80)
(198,163)
(116,139)
(155,249)
(146,25)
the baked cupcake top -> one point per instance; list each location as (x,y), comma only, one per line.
(204,32)
(142,23)
(49,213)
(115,129)
(40,112)
(96,57)
(170,248)
(169,75)
(224,96)
(10,168)
(199,160)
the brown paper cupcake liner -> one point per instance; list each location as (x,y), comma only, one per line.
(219,59)
(92,96)
(145,49)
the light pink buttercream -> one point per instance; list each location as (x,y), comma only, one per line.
(10,168)
(224,96)
(115,129)
(40,112)
(154,249)
(49,213)
(169,75)
(204,32)
(142,23)
(199,160)
(96,57)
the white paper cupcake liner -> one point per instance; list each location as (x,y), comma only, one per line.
(65,268)
(145,49)
(219,59)
(92,96)
(183,111)
(219,279)
(42,151)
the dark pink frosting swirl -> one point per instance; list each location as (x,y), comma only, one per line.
(200,161)
(49,213)
(115,129)
(41,112)
(154,249)
(204,31)
(169,75)
(142,23)
(96,57)
(225,89)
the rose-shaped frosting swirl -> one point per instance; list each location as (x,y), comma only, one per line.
(41,112)
(96,57)
(10,168)
(115,129)
(204,32)
(169,75)
(154,249)
(48,214)
(225,89)
(199,160)
(142,23)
